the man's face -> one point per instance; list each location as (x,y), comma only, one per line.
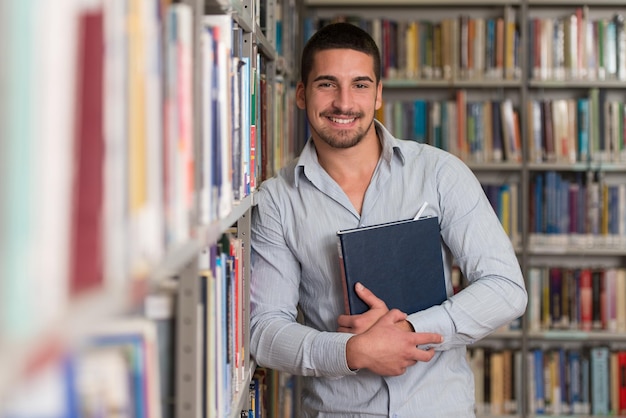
(341,96)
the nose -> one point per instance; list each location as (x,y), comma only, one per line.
(343,99)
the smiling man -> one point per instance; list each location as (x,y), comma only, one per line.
(352,172)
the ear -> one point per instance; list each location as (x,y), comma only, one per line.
(300,95)
(379,95)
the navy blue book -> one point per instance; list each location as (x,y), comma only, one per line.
(400,262)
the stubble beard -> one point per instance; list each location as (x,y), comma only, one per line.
(342,139)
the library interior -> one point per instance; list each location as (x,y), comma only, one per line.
(126,242)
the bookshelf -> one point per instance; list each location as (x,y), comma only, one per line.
(422,82)
(128,172)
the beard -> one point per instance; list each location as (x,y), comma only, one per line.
(342,139)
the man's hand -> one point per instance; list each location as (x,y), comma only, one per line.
(387,350)
(358,324)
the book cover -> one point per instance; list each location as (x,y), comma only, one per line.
(575,382)
(538,371)
(510,29)
(534,298)
(208,193)
(434,117)
(136,338)
(574,300)
(452,128)
(585,371)
(600,380)
(548,131)
(597,298)
(530,380)
(535,128)
(461,122)
(496,371)
(621,362)
(89,154)
(613,382)
(400,262)
(208,305)
(420,122)
(490,47)
(586,299)
(510,128)
(556,283)
(477,364)
(620,299)
(496,128)
(563,381)
(159,307)
(487,131)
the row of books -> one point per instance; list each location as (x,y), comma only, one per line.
(497,380)
(272,394)
(577,47)
(563,381)
(580,299)
(463,47)
(228,125)
(585,129)
(466,47)
(123,172)
(222,326)
(582,381)
(475,131)
(247,127)
(238,150)
(106,170)
(505,200)
(81,186)
(576,209)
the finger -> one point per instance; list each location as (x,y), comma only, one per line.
(344,324)
(405,326)
(368,297)
(393,316)
(424,355)
(425,338)
(344,321)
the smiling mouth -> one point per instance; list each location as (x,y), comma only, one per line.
(341,121)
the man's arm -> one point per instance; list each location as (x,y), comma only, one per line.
(478,244)
(384,342)
(279,342)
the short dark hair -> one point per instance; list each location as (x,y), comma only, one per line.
(340,35)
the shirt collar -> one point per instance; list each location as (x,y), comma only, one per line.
(308,157)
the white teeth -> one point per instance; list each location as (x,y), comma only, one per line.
(344,121)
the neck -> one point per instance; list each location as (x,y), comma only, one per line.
(357,161)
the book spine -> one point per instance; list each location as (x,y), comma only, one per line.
(600,402)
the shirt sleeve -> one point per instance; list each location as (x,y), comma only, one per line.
(277,340)
(473,234)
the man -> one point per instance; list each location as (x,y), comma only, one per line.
(353,172)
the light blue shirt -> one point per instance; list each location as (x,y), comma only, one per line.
(295,264)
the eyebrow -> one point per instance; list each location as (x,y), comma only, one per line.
(333,78)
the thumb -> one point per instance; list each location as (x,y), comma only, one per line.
(369,297)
